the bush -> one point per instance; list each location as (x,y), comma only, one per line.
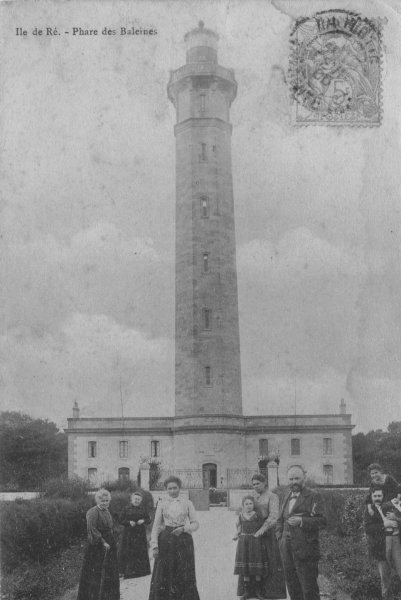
(30,581)
(36,529)
(217,496)
(120,496)
(351,518)
(346,562)
(121,485)
(62,487)
(343,508)
(345,558)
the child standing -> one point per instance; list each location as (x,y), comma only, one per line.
(134,557)
(250,560)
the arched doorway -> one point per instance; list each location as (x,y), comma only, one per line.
(209,475)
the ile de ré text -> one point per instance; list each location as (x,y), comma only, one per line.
(132,30)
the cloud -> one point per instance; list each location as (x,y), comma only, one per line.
(87,360)
(104,340)
(103,242)
(376,400)
(290,394)
(298,302)
(298,253)
(99,270)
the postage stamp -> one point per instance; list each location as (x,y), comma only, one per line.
(335,69)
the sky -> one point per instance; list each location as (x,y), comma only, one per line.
(88,209)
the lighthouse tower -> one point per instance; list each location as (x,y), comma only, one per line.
(207,347)
(208,443)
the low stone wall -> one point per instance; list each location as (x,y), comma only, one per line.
(10,496)
(158,495)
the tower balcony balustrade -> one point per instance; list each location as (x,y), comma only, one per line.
(218,74)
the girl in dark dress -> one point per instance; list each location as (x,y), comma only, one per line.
(134,557)
(173,576)
(250,559)
(99,576)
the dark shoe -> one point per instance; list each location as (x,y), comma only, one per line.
(258,592)
(246,595)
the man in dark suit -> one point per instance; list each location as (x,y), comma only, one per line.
(297,530)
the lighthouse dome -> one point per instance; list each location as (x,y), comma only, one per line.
(201,44)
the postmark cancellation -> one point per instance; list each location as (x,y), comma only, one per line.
(335,69)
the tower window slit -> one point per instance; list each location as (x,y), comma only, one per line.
(207,318)
(203,151)
(204,202)
(208,375)
(205,262)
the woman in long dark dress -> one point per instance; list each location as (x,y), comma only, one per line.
(173,576)
(134,557)
(99,575)
(267,503)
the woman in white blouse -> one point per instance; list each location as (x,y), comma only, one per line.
(173,576)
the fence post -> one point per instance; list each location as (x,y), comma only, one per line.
(145,477)
(272,474)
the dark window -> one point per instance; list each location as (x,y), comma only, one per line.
(124,449)
(263,447)
(295,447)
(154,448)
(91,449)
(205,262)
(123,474)
(328,474)
(203,152)
(204,203)
(207,318)
(327,446)
(208,375)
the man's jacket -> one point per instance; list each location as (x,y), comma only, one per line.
(375,534)
(304,539)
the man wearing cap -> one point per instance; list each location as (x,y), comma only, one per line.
(297,530)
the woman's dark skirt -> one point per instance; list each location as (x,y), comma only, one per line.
(273,582)
(173,576)
(134,556)
(99,575)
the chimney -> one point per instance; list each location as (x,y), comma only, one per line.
(343,407)
(75,410)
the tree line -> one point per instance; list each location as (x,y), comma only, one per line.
(32,451)
(383,447)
